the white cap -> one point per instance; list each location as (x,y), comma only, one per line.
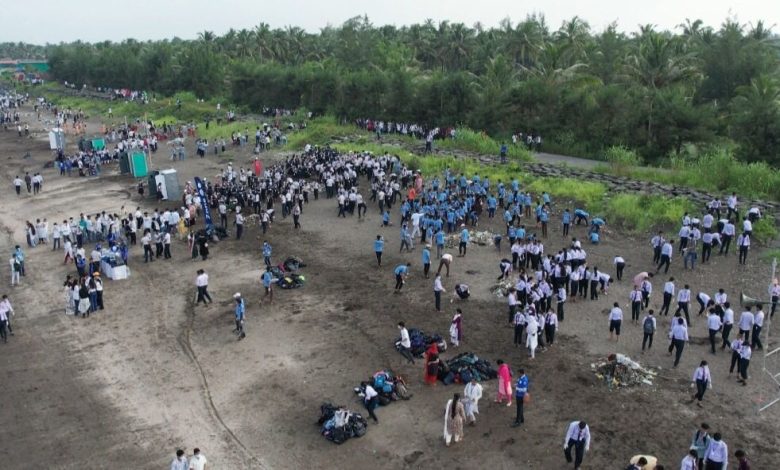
(237,295)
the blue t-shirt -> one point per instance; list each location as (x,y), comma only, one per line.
(379,246)
(401,269)
(440,238)
(566,217)
(426,256)
(267,277)
(240,310)
(464,235)
(521,387)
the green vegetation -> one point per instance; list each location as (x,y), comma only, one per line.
(765,230)
(621,160)
(583,91)
(481,143)
(643,212)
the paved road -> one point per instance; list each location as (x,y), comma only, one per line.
(576,162)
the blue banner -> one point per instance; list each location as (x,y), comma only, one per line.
(204,202)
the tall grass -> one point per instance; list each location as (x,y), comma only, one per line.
(621,160)
(640,213)
(483,144)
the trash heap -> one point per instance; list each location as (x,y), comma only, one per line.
(388,386)
(286,275)
(420,341)
(465,366)
(338,424)
(501,288)
(478,237)
(620,370)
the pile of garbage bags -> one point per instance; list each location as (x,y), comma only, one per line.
(620,370)
(286,275)
(338,424)
(390,387)
(420,342)
(476,237)
(501,288)
(465,366)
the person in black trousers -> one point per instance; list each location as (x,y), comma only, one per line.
(594,284)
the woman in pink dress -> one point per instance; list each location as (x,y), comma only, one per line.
(504,383)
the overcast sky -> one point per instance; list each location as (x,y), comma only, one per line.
(53,21)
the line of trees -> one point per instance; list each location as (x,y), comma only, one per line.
(654,91)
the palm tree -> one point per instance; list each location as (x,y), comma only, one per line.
(657,62)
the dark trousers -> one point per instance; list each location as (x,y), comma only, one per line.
(399,282)
(239,231)
(725,244)
(679,345)
(426,269)
(743,252)
(437,296)
(667,303)
(656,254)
(713,333)
(745,334)
(734,361)
(647,339)
(620,267)
(549,333)
(743,368)
(579,452)
(203,295)
(636,306)
(701,387)
(714,465)
(683,306)
(378,258)
(560,311)
(519,418)
(594,290)
(725,335)
(756,337)
(407,353)
(167,251)
(665,261)
(370,406)
(148,254)
(519,334)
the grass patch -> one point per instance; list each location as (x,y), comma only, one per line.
(640,213)
(770,254)
(588,193)
(483,144)
(765,230)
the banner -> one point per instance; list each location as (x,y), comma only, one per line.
(204,202)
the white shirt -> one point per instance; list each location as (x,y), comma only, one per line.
(717,451)
(688,463)
(728,316)
(370,392)
(198,462)
(405,341)
(758,319)
(702,373)
(746,320)
(202,280)
(574,432)
(680,332)
(437,286)
(714,322)
(616,314)
(669,288)
(619,259)
(684,295)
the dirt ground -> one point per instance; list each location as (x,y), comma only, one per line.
(153,373)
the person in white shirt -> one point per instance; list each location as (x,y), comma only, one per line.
(197,461)
(758,324)
(180,461)
(370,400)
(717,454)
(714,324)
(774,292)
(702,380)
(690,461)
(550,327)
(635,297)
(578,438)
(202,283)
(728,323)
(471,396)
(649,326)
(615,320)
(679,337)
(729,230)
(683,300)
(438,289)
(668,295)
(705,302)
(666,256)
(620,264)
(405,344)
(746,322)
(743,244)
(745,353)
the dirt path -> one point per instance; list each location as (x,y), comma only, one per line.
(551,158)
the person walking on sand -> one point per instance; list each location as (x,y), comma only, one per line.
(472,393)
(197,461)
(454,418)
(240,312)
(438,289)
(180,461)
(504,383)
(202,283)
(702,380)
(577,438)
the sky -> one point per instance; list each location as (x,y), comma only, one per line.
(54,21)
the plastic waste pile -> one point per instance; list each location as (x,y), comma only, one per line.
(620,370)
(478,237)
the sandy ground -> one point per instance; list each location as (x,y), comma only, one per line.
(153,373)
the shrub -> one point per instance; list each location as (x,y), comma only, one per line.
(640,213)
(765,230)
(621,160)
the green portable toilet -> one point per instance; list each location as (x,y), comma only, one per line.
(98,144)
(138,164)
